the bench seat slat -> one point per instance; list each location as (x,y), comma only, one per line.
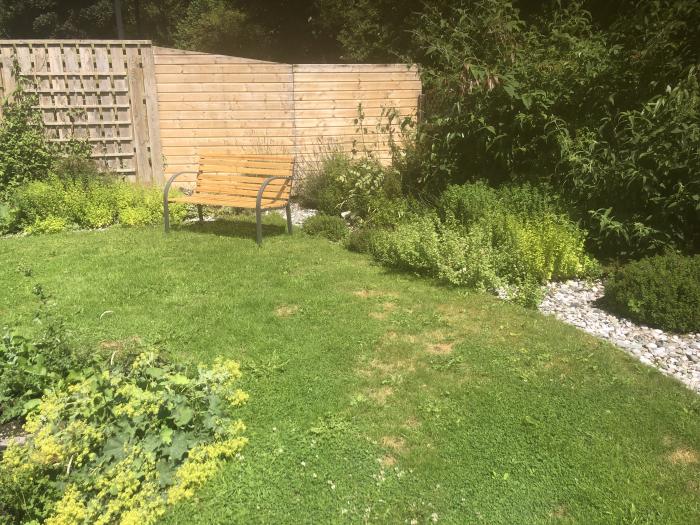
(233,202)
(245,179)
(242,193)
(220,187)
(220,154)
(268,172)
(243,190)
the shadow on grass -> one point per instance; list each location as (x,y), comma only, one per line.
(241,228)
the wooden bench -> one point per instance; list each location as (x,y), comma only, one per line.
(260,182)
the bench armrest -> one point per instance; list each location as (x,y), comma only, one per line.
(166,189)
(263,186)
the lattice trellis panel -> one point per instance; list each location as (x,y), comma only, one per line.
(102,91)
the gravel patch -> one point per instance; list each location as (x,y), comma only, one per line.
(676,355)
(299,214)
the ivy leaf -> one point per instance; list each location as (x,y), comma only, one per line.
(165,473)
(151,443)
(113,449)
(155,372)
(32,404)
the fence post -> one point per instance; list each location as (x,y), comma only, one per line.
(152,114)
(138,115)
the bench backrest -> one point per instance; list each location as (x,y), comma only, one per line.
(240,176)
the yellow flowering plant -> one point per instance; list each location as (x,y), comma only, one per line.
(118,443)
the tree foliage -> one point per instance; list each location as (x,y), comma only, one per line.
(609,118)
(219,27)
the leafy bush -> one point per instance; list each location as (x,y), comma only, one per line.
(116,440)
(488,239)
(607,114)
(57,204)
(30,365)
(27,153)
(360,239)
(319,188)
(638,175)
(661,291)
(385,211)
(217,26)
(340,183)
(430,247)
(331,227)
(468,203)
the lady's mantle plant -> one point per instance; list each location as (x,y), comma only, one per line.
(118,443)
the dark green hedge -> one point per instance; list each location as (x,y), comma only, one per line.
(661,291)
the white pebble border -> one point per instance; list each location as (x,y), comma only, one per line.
(674,355)
(299,214)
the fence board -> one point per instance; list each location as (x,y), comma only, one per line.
(103,83)
(91,107)
(136,91)
(152,115)
(120,81)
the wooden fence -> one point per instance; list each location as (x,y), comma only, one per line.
(217,102)
(150,110)
(101,91)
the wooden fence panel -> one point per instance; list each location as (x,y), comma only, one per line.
(221,103)
(215,102)
(348,106)
(101,91)
(148,110)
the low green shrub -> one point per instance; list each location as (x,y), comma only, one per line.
(29,365)
(340,183)
(331,227)
(360,239)
(58,204)
(116,439)
(320,188)
(430,247)
(661,291)
(508,239)
(467,203)
(385,212)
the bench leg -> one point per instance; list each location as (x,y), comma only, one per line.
(258,224)
(288,208)
(166,216)
(199,213)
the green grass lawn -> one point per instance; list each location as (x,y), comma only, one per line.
(375,396)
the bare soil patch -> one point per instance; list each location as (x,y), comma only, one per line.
(380,395)
(387,461)
(683,456)
(286,310)
(395,443)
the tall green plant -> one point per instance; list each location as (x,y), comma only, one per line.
(554,98)
(638,174)
(26,153)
